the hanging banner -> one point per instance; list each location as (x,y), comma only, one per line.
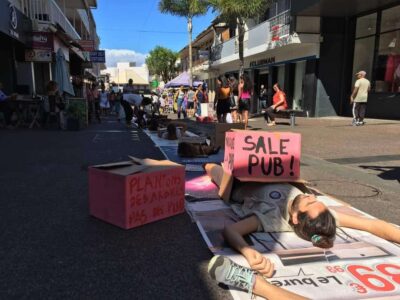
(98,56)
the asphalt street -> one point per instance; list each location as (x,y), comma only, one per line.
(51,247)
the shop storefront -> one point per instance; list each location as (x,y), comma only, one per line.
(14,38)
(288,66)
(377,51)
(356,36)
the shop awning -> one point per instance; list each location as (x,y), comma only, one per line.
(337,8)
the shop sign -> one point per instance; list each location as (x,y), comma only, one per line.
(266,61)
(98,56)
(13,22)
(38,55)
(87,45)
(43,41)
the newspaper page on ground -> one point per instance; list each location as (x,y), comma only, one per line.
(359,266)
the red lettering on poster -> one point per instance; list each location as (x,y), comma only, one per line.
(335,269)
(149,195)
(368,277)
(358,288)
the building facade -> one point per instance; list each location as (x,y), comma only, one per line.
(124,71)
(357,35)
(313,49)
(37,30)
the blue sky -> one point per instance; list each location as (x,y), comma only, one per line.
(129,29)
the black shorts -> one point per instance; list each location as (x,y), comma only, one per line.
(190,105)
(244,104)
(223,107)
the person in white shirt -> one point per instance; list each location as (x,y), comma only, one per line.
(104,100)
(359,98)
(129,99)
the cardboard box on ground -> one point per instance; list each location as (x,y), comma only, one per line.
(136,192)
(262,156)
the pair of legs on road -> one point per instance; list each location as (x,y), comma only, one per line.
(181,108)
(269,116)
(244,107)
(359,109)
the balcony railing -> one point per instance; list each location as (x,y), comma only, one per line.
(268,35)
(258,35)
(48,11)
(223,50)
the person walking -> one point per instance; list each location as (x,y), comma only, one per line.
(93,101)
(190,102)
(117,104)
(127,102)
(245,88)
(223,103)
(104,101)
(198,99)
(263,97)
(359,98)
(180,96)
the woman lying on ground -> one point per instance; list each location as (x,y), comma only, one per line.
(283,207)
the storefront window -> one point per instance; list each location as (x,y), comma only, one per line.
(382,65)
(300,72)
(388,71)
(390,19)
(366,25)
(364,56)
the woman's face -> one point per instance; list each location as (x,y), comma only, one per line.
(275,88)
(308,204)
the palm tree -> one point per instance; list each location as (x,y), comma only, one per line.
(187,9)
(236,12)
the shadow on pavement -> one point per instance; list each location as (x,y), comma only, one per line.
(387,172)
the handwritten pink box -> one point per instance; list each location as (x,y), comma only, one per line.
(133,193)
(262,156)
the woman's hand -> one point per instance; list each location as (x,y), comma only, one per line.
(258,262)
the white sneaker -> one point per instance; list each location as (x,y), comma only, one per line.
(225,271)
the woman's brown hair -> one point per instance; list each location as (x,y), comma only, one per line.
(321,231)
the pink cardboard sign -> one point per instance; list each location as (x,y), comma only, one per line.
(263,156)
(130,195)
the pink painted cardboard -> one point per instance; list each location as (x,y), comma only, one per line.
(137,192)
(262,156)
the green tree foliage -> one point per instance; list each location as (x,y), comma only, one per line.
(236,12)
(187,9)
(161,61)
